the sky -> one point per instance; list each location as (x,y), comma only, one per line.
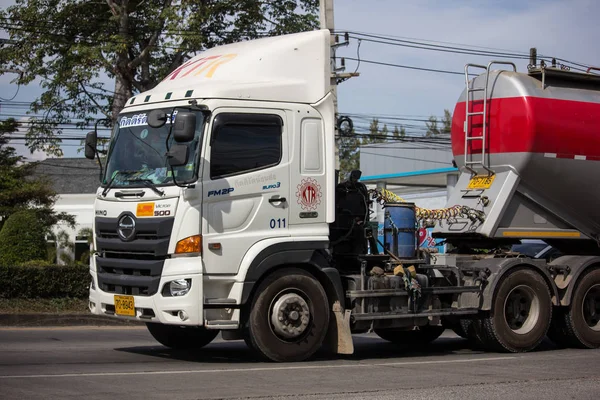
(557,28)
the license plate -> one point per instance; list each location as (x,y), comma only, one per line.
(124,305)
(481,182)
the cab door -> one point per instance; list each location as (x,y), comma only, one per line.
(245,191)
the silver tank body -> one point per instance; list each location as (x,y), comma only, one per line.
(543,147)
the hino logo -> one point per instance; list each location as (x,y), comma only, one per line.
(126,227)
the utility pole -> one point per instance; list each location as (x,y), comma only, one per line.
(326,19)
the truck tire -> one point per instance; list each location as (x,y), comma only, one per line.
(459,326)
(579,324)
(520,315)
(558,332)
(289,316)
(411,338)
(180,337)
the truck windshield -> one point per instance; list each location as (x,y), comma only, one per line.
(137,154)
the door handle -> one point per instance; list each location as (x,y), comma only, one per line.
(277,200)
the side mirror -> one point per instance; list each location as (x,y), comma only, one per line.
(184,128)
(178,155)
(157,118)
(91,140)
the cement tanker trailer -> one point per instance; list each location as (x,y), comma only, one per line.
(528,147)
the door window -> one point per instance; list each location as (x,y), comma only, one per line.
(243,143)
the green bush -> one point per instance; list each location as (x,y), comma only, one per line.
(22,238)
(54,281)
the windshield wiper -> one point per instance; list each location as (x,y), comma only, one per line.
(109,185)
(149,184)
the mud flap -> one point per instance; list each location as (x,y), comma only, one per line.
(340,337)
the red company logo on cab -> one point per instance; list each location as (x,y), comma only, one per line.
(205,65)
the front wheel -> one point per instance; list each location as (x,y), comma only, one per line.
(289,317)
(520,315)
(181,337)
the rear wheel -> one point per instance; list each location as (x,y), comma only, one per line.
(409,338)
(289,317)
(579,325)
(181,337)
(520,315)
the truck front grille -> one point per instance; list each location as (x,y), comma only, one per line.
(129,276)
(132,267)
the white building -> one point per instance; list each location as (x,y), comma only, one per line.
(75,180)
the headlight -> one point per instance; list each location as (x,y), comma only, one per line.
(180,287)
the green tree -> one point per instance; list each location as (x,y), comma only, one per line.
(20,189)
(349,156)
(375,134)
(447,122)
(349,145)
(63,242)
(70,46)
(399,133)
(22,238)
(433,128)
(88,234)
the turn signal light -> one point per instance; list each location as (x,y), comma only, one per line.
(191,244)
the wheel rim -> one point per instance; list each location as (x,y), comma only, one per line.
(290,316)
(591,307)
(522,309)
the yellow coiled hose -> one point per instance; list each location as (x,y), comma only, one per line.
(383,196)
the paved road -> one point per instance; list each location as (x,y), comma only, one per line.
(126,363)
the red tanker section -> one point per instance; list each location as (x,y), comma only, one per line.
(543,126)
(522,117)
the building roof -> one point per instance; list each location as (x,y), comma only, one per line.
(432,178)
(408,163)
(70,175)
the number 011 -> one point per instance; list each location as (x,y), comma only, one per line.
(277,223)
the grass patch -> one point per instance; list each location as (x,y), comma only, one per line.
(44,306)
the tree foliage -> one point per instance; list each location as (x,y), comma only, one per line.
(20,189)
(36,280)
(433,129)
(89,56)
(22,238)
(349,145)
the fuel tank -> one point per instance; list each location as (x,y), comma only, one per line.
(541,140)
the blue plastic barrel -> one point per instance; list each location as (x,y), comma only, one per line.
(400,230)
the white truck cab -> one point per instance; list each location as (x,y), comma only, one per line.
(185,245)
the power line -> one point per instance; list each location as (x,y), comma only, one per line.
(441,48)
(406,66)
(464,49)
(392,37)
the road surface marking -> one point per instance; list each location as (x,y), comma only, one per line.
(260,369)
